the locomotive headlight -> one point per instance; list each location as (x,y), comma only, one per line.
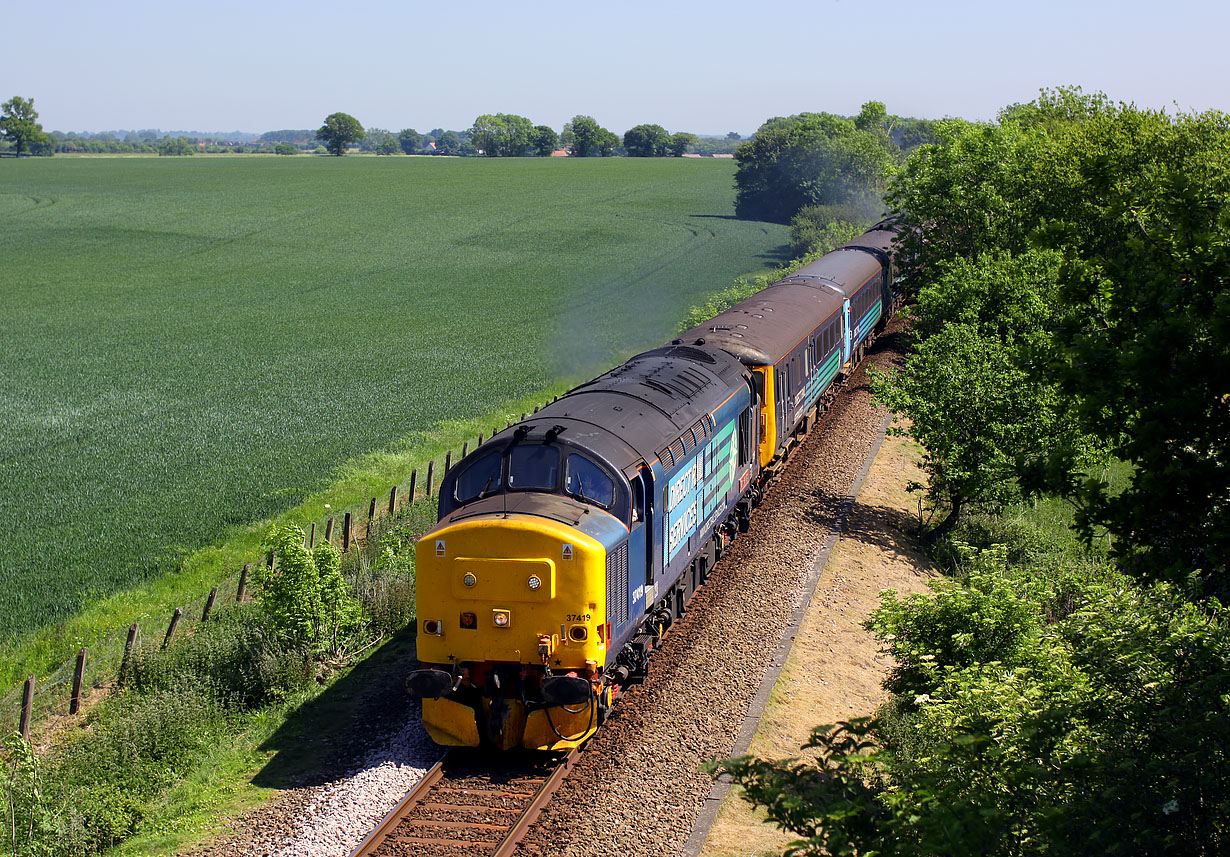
(469,579)
(534,582)
(501,618)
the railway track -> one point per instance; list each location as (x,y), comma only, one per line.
(469,805)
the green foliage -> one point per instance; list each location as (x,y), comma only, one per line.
(647,141)
(175,147)
(680,142)
(19,126)
(986,618)
(812,159)
(583,137)
(285,149)
(239,658)
(502,135)
(1136,202)
(544,141)
(1148,347)
(26,827)
(304,595)
(1019,728)
(163,408)
(822,228)
(103,781)
(411,141)
(975,412)
(338,132)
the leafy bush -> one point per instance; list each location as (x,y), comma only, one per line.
(304,594)
(237,657)
(136,745)
(822,228)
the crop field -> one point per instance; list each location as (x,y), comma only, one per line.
(192,344)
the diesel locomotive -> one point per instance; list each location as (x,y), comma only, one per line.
(570,542)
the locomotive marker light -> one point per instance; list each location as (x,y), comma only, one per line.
(433,627)
(502,618)
(469,579)
(534,582)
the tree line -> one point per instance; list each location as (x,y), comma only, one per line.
(1065,688)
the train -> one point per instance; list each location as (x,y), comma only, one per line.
(568,544)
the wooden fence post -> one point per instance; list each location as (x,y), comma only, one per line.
(371,513)
(448,464)
(431,466)
(269,559)
(27,707)
(74,702)
(132,640)
(209,604)
(414,475)
(312,537)
(242,589)
(346,533)
(175,617)
(329,530)
(523,416)
(480,439)
(392,501)
(465,449)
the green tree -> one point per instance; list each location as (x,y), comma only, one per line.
(18,125)
(175,147)
(974,411)
(646,141)
(811,159)
(285,149)
(386,144)
(304,594)
(585,138)
(448,143)
(680,142)
(338,132)
(502,135)
(411,141)
(544,141)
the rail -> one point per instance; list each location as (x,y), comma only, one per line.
(470,804)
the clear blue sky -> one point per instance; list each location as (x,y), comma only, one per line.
(706,67)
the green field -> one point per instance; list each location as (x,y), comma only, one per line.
(188,345)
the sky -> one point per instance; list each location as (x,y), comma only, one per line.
(708,68)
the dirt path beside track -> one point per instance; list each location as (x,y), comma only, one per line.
(835,667)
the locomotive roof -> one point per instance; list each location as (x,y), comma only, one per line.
(631,412)
(767,326)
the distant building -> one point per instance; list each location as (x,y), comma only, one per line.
(724,155)
(692,155)
(560,153)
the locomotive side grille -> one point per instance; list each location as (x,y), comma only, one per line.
(617,585)
(667,457)
(678,450)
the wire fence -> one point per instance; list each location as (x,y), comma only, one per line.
(98,668)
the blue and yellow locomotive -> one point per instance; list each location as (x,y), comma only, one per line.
(568,543)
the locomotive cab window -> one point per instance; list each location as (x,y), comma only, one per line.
(587,481)
(479,479)
(533,468)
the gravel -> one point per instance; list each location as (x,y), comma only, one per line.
(638,788)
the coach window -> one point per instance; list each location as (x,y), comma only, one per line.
(479,479)
(587,481)
(533,468)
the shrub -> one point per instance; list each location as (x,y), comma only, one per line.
(237,657)
(304,595)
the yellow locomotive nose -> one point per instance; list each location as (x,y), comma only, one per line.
(509,607)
